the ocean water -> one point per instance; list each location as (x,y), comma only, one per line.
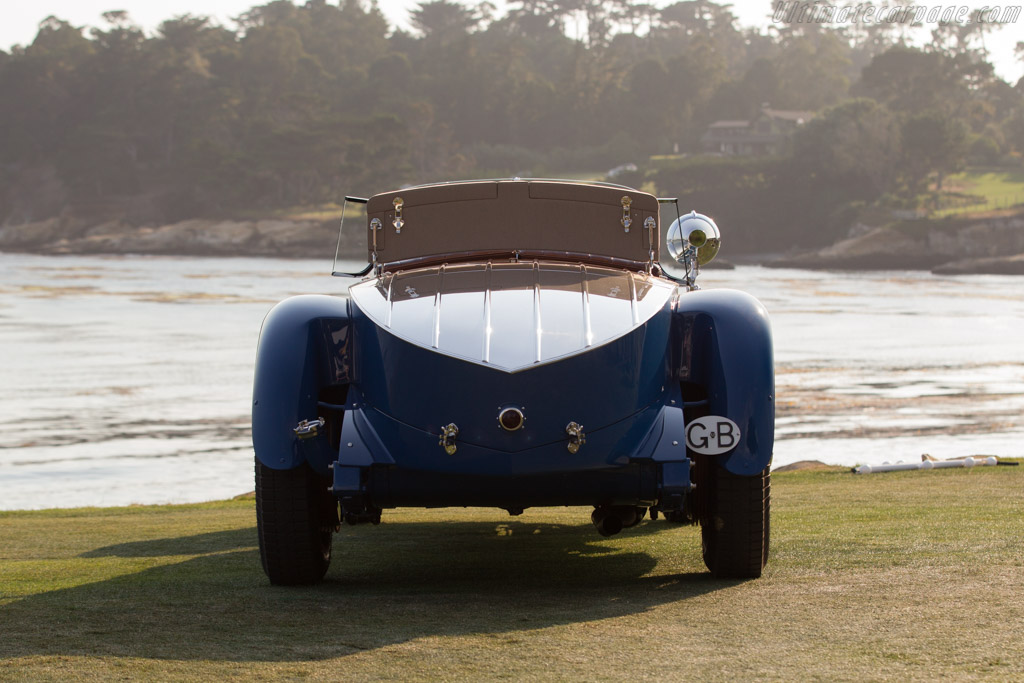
(127,379)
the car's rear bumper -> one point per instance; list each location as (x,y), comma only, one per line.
(638,461)
(632,484)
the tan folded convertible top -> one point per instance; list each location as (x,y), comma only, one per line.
(502,218)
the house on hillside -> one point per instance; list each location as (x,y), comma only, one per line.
(766,134)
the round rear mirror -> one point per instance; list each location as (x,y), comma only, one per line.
(697,231)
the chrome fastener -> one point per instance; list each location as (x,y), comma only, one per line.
(448,434)
(307,429)
(576,436)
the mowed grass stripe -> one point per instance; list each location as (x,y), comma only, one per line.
(883,576)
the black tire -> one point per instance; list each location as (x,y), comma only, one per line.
(735,535)
(295,517)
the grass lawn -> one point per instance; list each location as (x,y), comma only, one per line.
(885,576)
(983,190)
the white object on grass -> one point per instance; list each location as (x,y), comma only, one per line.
(928,465)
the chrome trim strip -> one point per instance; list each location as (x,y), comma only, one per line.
(486,357)
(436,337)
(588,332)
(536,307)
(632,300)
(391,304)
(548,256)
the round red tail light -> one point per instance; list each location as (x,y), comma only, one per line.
(510,419)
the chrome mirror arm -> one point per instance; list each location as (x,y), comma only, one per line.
(337,250)
(688,259)
(361,273)
(692,266)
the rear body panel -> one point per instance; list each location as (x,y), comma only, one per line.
(539,359)
(383,439)
(512,316)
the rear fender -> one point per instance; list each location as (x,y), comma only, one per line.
(725,347)
(305,347)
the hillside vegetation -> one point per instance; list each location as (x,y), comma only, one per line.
(298,105)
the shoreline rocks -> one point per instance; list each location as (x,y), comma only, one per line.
(990,246)
(194,237)
(1008,265)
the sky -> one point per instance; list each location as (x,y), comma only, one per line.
(19,19)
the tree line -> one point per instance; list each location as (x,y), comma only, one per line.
(301,104)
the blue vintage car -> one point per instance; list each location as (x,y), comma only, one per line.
(514,344)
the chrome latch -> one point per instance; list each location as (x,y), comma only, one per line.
(375,225)
(576,436)
(626,220)
(448,434)
(307,429)
(398,222)
(650,224)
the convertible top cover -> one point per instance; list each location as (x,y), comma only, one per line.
(506,216)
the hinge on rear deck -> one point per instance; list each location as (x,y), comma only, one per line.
(650,224)
(398,222)
(626,221)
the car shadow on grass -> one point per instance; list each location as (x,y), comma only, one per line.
(389,584)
